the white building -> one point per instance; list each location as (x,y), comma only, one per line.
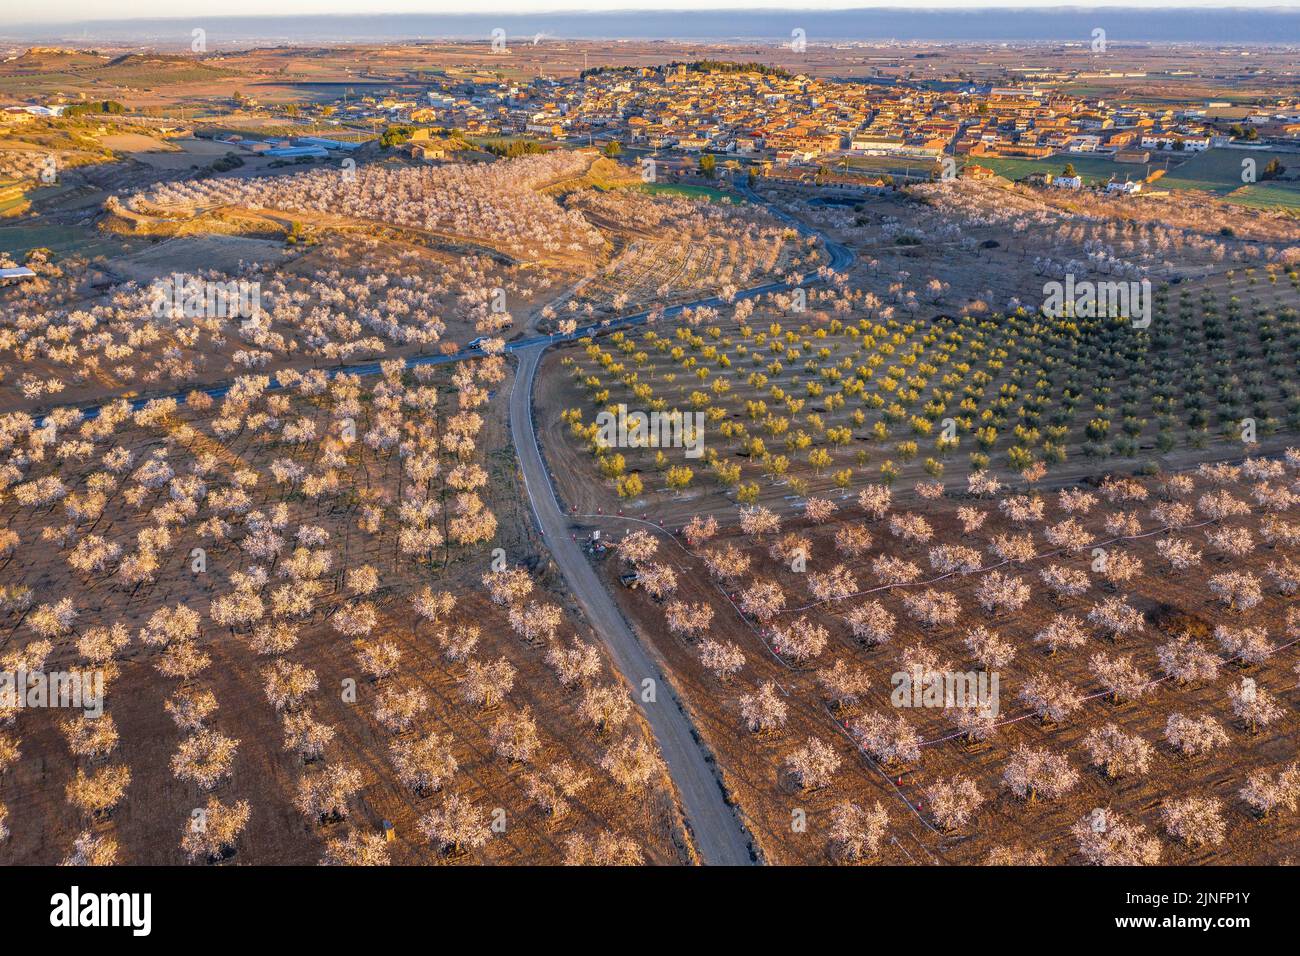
(1191,144)
(1125,188)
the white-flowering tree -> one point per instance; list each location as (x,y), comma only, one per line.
(1187,660)
(606,849)
(1064,583)
(990,650)
(1115,618)
(762,600)
(722,659)
(871,623)
(574,665)
(1197,821)
(1238,590)
(1120,676)
(1266,791)
(1107,839)
(856,833)
(689,619)
(632,763)
(1194,736)
(456,826)
(813,764)
(842,684)
(211,834)
(306,736)
(424,763)
(552,787)
(763,711)
(287,684)
(357,849)
(1118,753)
(1063,631)
(606,708)
(1248,645)
(953,801)
(398,706)
(486,683)
(98,793)
(92,849)
(800,640)
(204,758)
(514,736)
(1253,705)
(892,741)
(324,795)
(1053,699)
(1036,771)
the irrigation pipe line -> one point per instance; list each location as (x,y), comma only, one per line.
(840,726)
(993,567)
(925,743)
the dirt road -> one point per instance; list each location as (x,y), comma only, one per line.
(718,835)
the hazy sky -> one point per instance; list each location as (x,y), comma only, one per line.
(61,10)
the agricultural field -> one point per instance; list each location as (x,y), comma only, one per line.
(293,596)
(1267,196)
(453,496)
(105,339)
(307,558)
(672,246)
(690,192)
(1220,170)
(1216,171)
(795,401)
(1093,169)
(1142,632)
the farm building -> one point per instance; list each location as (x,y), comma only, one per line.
(324,143)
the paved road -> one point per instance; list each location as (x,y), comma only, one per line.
(719,837)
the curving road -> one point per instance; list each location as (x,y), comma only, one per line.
(840,259)
(719,838)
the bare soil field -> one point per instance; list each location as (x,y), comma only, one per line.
(317,624)
(794,825)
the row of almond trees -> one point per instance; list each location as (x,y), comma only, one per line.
(1126,529)
(362,300)
(255,483)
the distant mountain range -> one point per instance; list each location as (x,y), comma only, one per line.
(1192,25)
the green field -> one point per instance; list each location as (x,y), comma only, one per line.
(1093,169)
(691,192)
(19,240)
(1216,171)
(1267,196)
(1219,170)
